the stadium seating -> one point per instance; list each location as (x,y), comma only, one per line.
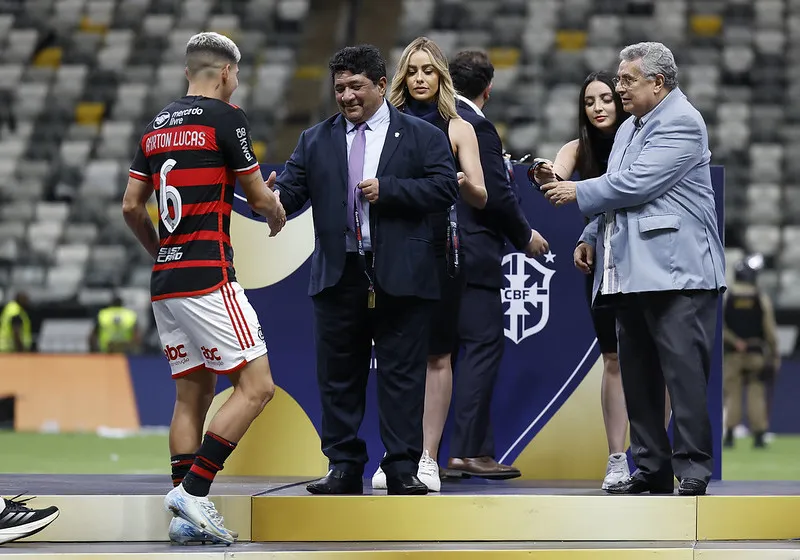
(87,75)
(84,78)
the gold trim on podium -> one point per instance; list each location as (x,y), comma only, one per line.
(727,518)
(747,551)
(473,518)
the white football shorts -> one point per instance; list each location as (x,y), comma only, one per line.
(218,330)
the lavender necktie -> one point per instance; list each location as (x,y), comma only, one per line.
(355,173)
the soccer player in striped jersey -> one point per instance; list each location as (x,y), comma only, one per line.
(191,154)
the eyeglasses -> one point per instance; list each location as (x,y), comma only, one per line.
(627,82)
(624,81)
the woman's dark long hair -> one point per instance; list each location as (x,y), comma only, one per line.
(594,145)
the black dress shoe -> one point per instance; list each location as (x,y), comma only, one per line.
(692,487)
(337,482)
(636,485)
(405,484)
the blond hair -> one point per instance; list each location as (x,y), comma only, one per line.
(445,97)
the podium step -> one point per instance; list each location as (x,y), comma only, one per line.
(406,551)
(523,511)
(473,518)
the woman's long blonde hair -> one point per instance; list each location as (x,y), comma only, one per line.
(445,97)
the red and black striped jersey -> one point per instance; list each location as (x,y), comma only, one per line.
(192,152)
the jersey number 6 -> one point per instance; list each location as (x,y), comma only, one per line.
(167,193)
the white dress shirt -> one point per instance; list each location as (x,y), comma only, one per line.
(471,104)
(375,135)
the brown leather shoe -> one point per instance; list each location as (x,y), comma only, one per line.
(447,474)
(482,467)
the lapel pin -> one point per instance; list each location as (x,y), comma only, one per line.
(396,134)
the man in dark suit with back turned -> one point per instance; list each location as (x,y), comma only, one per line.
(373,175)
(483,234)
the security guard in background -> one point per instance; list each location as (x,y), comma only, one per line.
(15,325)
(115,329)
(751,351)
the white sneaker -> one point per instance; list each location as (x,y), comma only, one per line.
(379,478)
(428,473)
(616,471)
(198,511)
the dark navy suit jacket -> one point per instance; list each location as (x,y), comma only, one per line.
(416,177)
(483,231)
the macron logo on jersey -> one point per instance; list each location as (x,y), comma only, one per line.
(161,119)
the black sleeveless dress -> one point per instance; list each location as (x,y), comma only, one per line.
(603,316)
(444,317)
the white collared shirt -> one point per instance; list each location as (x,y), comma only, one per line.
(471,104)
(610,283)
(375,135)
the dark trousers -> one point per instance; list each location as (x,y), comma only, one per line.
(667,337)
(345,328)
(480,333)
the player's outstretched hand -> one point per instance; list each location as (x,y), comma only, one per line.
(270,182)
(278,218)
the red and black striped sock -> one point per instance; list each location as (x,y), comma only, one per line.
(180,466)
(208,462)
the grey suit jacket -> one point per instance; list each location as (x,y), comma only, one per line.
(659,183)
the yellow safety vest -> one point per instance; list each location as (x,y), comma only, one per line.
(11,310)
(115,326)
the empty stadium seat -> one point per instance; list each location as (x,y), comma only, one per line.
(764,204)
(789,294)
(51,211)
(84,233)
(65,335)
(763,239)
(76,254)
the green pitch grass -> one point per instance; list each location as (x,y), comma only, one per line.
(780,460)
(149,454)
(83,454)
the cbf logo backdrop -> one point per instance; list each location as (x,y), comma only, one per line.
(546,408)
(526,296)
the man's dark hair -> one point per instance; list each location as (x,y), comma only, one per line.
(361,59)
(472,73)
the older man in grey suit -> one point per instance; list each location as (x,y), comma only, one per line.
(660,257)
